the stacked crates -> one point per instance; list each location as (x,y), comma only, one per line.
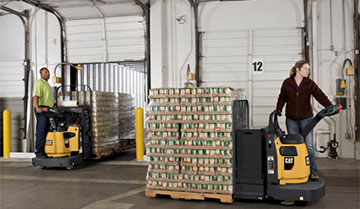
(189,140)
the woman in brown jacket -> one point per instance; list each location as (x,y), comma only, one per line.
(296,92)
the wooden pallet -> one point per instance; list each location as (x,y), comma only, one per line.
(103,154)
(224,198)
(110,152)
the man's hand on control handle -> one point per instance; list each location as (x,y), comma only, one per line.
(38,110)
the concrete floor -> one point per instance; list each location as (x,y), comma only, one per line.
(118,183)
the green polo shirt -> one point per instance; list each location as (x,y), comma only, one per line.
(44,91)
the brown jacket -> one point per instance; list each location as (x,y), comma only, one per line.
(297,99)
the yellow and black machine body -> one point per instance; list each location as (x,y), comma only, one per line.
(62,143)
(268,164)
(289,155)
(68,142)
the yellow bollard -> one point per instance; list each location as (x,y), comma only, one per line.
(7,132)
(139,134)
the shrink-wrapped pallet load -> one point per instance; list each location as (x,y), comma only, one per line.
(189,140)
(126,110)
(105,122)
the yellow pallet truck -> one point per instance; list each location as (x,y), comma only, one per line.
(268,164)
(68,142)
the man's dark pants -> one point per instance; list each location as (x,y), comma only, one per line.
(42,128)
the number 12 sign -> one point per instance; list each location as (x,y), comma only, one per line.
(258,66)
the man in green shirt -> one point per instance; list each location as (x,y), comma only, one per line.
(43,97)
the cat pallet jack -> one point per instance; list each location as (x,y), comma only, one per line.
(268,164)
(68,143)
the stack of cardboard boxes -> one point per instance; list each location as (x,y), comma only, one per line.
(189,139)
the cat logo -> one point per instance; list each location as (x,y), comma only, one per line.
(289,160)
(289,163)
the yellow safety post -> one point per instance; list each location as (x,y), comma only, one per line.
(7,132)
(139,134)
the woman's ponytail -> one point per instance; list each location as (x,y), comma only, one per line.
(293,71)
(299,65)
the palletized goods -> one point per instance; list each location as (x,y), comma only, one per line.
(112,118)
(189,140)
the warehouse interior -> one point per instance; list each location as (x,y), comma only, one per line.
(133,54)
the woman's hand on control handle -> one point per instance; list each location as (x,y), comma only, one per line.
(278,113)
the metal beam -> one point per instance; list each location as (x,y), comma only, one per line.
(306,46)
(146,14)
(19,14)
(357,65)
(195,5)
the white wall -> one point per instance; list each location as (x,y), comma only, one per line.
(331,55)
(12,55)
(178,35)
(44,52)
(14,42)
(172,45)
(172,40)
(46,43)
(251,14)
(44,36)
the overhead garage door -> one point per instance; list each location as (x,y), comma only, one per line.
(106,40)
(228,58)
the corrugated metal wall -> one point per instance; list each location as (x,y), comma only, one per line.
(118,78)
(11,97)
(104,40)
(227,61)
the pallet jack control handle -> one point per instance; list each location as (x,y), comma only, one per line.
(274,124)
(49,112)
(48,109)
(327,111)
